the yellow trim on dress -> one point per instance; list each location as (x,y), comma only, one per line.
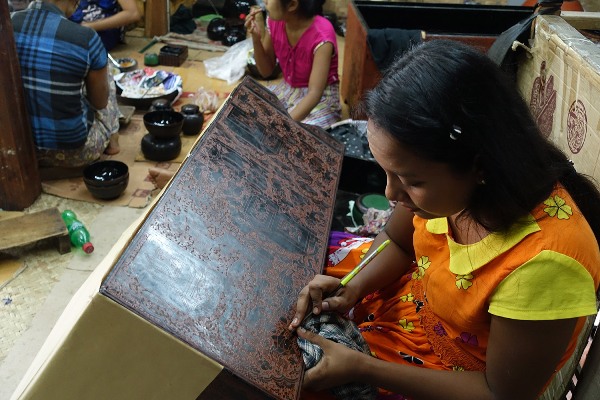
(549,286)
(464,259)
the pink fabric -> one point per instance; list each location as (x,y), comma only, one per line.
(296,62)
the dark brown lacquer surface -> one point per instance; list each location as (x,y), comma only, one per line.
(241,228)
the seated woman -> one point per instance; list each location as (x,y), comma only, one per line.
(71,102)
(493,264)
(304,45)
(107,17)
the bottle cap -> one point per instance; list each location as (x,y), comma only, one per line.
(88,247)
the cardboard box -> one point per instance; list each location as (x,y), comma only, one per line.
(194,301)
(560,79)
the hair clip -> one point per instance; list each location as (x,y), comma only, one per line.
(455,132)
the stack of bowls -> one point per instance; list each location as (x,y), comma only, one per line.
(163,141)
(106,179)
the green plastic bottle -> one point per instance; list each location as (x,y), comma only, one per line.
(80,237)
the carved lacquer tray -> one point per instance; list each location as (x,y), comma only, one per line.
(240,229)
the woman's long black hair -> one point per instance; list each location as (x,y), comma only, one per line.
(448,102)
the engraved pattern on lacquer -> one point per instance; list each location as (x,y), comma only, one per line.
(239,230)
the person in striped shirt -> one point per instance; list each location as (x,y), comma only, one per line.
(71,101)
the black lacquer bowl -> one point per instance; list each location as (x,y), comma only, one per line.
(160,149)
(163,124)
(106,179)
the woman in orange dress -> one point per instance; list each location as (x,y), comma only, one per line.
(493,264)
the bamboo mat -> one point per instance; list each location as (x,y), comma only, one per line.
(28,273)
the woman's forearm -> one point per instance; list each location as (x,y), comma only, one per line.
(122,18)
(386,268)
(394,261)
(305,106)
(411,381)
(264,62)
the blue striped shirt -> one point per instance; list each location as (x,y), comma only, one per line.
(55,56)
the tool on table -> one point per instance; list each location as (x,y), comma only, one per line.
(113,61)
(150,44)
(352,274)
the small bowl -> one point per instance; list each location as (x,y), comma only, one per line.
(106,179)
(163,124)
(160,149)
(127,64)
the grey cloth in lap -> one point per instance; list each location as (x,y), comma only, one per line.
(338,329)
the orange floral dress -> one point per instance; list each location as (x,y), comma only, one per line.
(438,314)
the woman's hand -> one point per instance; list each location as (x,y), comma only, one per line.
(251,24)
(315,294)
(337,366)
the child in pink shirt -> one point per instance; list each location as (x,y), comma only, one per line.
(305,45)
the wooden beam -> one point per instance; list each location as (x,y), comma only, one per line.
(156,18)
(20,183)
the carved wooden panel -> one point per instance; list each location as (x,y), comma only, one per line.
(240,229)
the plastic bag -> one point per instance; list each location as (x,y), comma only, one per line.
(231,66)
(207,100)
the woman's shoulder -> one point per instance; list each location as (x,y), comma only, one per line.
(318,32)
(559,209)
(323,26)
(564,229)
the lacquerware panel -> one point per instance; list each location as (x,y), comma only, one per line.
(241,228)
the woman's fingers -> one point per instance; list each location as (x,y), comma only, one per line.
(311,375)
(336,366)
(302,304)
(311,298)
(312,337)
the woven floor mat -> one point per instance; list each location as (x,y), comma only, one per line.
(40,266)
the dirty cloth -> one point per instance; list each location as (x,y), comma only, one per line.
(334,327)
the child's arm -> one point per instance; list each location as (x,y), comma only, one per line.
(129,14)
(264,55)
(316,83)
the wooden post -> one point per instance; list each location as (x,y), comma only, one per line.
(156,18)
(20,181)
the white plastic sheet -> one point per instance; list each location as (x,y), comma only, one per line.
(231,66)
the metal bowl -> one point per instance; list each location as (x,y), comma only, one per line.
(127,64)
(144,103)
